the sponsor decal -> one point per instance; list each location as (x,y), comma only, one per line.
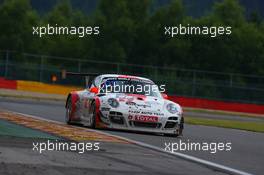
(143,106)
(134,112)
(146,113)
(143,118)
(126,99)
(159,114)
(131,103)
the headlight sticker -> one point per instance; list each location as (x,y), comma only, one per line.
(113,102)
(172,108)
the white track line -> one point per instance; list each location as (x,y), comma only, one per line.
(206,163)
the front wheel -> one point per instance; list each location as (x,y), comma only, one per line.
(181,126)
(178,131)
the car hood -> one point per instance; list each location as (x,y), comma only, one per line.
(139,102)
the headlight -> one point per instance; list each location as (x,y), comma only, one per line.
(172,108)
(113,102)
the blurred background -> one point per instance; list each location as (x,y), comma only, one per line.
(132,41)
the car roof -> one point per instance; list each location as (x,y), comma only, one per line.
(124,76)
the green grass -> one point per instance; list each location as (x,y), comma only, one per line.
(242,125)
(209,111)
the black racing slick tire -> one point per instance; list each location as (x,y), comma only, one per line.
(68,111)
(178,131)
(181,126)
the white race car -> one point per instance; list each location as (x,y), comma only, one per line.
(126,103)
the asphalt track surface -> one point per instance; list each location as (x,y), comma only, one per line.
(17,158)
(247,153)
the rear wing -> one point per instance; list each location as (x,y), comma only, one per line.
(88,76)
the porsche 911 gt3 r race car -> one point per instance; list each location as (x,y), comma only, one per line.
(126,103)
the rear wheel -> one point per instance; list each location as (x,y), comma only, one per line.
(68,111)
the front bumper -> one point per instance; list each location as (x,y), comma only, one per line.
(120,120)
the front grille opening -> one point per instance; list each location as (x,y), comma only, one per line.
(170,125)
(147,125)
(117,120)
(116,117)
(115,113)
(173,118)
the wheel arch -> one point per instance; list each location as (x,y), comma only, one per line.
(74,97)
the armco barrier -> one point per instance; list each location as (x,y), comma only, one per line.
(44,88)
(183,101)
(218,105)
(8,84)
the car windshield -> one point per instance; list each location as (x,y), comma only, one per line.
(130,86)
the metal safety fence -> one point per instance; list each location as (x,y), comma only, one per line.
(183,82)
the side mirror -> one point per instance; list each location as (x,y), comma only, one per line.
(94,90)
(165,96)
